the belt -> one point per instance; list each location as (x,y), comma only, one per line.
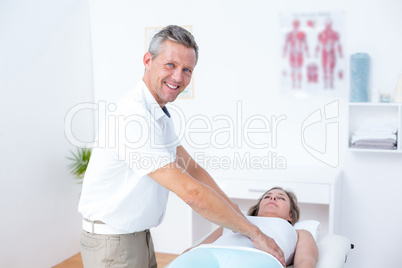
(99,227)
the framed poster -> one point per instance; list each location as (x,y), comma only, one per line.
(312,53)
(188,92)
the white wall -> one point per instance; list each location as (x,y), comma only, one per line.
(239,58)
(45,69)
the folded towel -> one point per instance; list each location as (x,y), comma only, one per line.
(373,137)
(375,134)
(375,144)
(388,147)
(374,125)
(376,131)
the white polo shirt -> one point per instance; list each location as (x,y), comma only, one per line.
(136,139)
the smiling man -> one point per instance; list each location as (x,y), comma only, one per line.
(169,73)
(124,196)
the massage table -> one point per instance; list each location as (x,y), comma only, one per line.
(333,249)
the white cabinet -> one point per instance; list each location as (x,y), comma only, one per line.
(376,113)
(318,191)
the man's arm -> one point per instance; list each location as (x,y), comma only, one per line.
(199,173)
(208,203)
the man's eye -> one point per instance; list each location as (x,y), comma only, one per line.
(187,70)
(170,64)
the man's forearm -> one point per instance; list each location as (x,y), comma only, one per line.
(203,176)
(185,161)
(203,198)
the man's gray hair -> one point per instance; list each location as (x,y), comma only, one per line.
(174,33)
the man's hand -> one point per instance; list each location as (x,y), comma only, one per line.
(267,244)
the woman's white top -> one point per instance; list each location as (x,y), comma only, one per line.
(278,229)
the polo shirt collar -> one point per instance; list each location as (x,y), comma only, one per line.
(151,104)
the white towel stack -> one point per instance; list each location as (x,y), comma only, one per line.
(374,136)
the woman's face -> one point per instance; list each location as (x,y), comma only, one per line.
(275,203)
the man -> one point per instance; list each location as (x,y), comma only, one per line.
(126,186)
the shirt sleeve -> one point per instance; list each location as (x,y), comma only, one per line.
(144,143)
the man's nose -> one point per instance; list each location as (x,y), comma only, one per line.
(177,75)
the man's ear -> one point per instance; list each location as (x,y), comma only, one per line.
(147,59)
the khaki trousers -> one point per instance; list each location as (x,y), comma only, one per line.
(117,251)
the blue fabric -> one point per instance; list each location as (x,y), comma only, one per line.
(359,77)
(224,258)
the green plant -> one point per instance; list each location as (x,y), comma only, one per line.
(80,162)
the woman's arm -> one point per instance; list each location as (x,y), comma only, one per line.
(210,239)
(306,254)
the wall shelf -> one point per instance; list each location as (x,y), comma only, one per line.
(362,112)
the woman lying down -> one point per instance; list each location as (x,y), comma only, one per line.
(275,214)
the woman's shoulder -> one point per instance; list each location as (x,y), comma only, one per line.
(304,235)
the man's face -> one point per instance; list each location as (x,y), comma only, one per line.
(168,74)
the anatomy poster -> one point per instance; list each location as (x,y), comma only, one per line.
(313,59)
(188,92)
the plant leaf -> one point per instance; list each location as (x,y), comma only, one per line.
(80,161)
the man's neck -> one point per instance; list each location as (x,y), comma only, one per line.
(153,93)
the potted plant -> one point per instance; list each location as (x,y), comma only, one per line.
(80,160)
